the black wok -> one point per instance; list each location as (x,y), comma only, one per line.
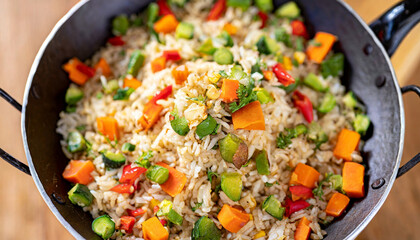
(368,73)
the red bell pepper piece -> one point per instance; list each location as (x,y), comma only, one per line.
(130,174)
(264,17)
(172,55)
(304,105)
(136,213)
(116,41)
(282,75)
(155,209)
(127,223)
(300,192)
(294,206)
(163,221)
(299,29)
(123,188)
(164,94)
(217,10)
(164,8)
(88,71)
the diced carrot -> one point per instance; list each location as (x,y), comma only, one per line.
(249,117)
(154,230)
(318,53)
(268,75)
(78,171)
(176,181)
(353,179)
(303,230)
(150,115)
(159,63)
(337,204)
(346,144)
(232,219)
(131,83)
(75,75)
(166,24)
(229,88)
(304,175)
(103,65)
(180,74)
(231,29)
(108,126)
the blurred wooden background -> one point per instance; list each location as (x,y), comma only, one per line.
(23,213)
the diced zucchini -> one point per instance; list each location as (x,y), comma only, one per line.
(301,129)
(152,14)
(282,36)
(273,207)
(205,229)
(244,4)
(111,86)
(264,96)
(350,100)
(223,56)
(225,39)
(179,124)
(261,160)
(233,149)
(103,226)
(237,73)
(207,47)
(232,185)
(113,160)
(264,5)
(327,104)
(73,95)
(361,123)
(313,81)
(333,66)
(135,63)
(120,25)
(206,127)
(128,147)
(76,142)
(267,45)
(175,217)
(164,207)
(80,195)
(316,134)
(157,174)
(336,182)
(184,30)
(288,10)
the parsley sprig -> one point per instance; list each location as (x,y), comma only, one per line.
(246,94)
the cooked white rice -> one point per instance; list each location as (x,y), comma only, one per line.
(195,157)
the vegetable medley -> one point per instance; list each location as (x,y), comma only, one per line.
(244,93)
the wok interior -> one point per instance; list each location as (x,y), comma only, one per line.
(89,27)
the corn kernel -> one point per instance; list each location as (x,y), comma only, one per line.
(231,29)
(287,63)
(251,218)
(212,92)
(299,57)
(154,203)
(214,78)
(259,234)
(282,237)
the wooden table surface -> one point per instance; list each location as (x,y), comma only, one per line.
(23,213)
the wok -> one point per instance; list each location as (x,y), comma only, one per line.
(368,73)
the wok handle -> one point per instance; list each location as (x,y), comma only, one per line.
(7,157)
(416,159)
(396,23)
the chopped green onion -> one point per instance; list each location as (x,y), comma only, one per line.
(299,44)
(207,47)
(243,4)
(73,95)
(123,93)
(314,82)
(327,104)
(120,25)
(206,127)
(361,123)
(179,124)
(350,100)
(111,86)
(128,147)
(273,207)
(223,56)
(143,160)
(135,63)
(157,174)
(264,5)
(152,14)
(333,66)
(76,142)
(288,10)
(232,185)
(184,30)
(285,138)
(261,160)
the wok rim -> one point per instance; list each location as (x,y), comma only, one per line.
(75,234)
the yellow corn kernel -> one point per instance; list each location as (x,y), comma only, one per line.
(212,92)
(231,29)
(282,237)
(299,57)
(287,63)
(154,203)
(251,218)
(259,234)
(214,78)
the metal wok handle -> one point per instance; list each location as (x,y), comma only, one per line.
(7,157)
(391,28)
